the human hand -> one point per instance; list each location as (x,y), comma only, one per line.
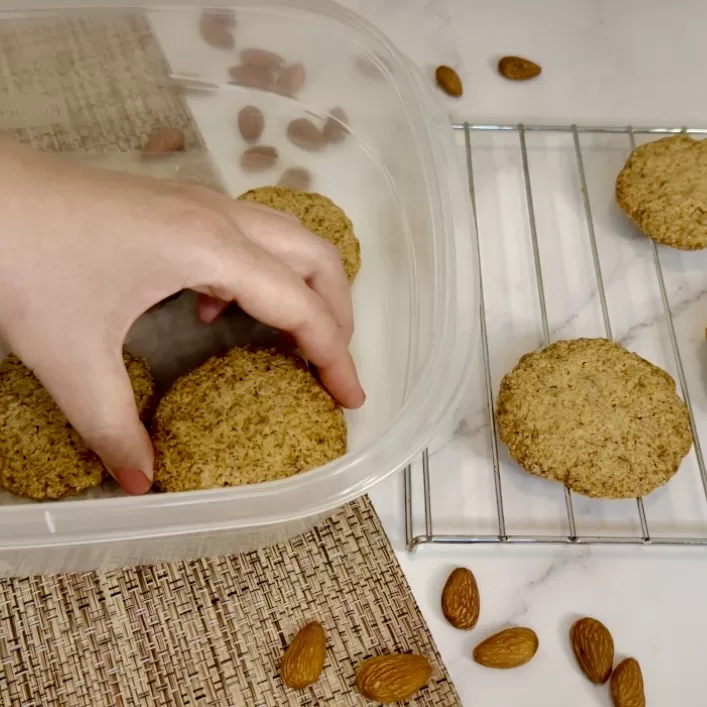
(84,252)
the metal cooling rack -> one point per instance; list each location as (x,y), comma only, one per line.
(645,537)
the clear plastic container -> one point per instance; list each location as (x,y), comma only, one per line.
(398,177)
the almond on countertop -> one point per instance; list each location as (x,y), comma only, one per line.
(517,68)
(460,599)
(393,677)
(303,661)
(252,76)
(291,80)
(258,159)
(335,127)
(366,66)
(223,16)
(305,134)
(448,80)
(507,649)
(215,28)
(164,140)
(262,58)
(251,123)
(593,647)
(297,178)
(627,684)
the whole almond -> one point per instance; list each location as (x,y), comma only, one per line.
(263,58)
(335,127)
(258,159)
(305,134)
(516,68)
(164,140)
(366,66)
(221,16)
(460,599)
(215,28)
(392,677)
(291,80)
(509,648)
(627,684)
(296,178)
(251,123)
(303,661)
(448,80)
(252,76)
(593,648)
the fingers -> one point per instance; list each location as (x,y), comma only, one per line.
(93,389)
(314,259)
(268,290)
(209,308)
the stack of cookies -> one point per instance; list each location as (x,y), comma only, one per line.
(249,416)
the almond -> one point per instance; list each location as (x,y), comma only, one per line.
(367,66)
(516,68)
(263,58)
(303,661)
(164,140)
(392,677)
(627,684)
(460,599)
(296,178)
(291,80)
(509,648)
(335,127)
(252,76)
(251,123)
(258,159)
(593,648)
(305,134)
(216,30)
(221,16)
(448,80)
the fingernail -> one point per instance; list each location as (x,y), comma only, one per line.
(132,481)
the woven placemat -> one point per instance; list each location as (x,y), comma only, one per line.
(207,632)
(212,632)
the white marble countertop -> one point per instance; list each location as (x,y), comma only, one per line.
(604,63)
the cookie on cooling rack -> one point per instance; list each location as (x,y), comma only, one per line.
(246,417)
(663,189)
(41,455)
(318,214)
(594,416)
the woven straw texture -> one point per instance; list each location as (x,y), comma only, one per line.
(209,632)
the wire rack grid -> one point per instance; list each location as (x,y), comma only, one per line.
(421,528)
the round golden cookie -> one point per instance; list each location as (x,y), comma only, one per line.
(594,416)
(41,455)
(663,189)
(318,214)
(242,418)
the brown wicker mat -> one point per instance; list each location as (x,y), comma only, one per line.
(212,632)
(208,632)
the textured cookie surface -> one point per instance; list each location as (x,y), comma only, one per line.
(41,455)
(663,189)
(318,214)
(594,416)
(243,418)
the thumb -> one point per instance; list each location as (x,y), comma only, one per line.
(94,391)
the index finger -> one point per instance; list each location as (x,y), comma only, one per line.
(274,294)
